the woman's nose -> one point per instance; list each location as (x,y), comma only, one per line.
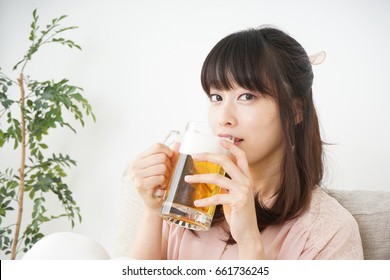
(227,116)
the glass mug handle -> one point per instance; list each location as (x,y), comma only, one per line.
(172,138)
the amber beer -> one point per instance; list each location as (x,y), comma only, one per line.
(178,206)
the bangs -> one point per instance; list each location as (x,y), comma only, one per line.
(239,59)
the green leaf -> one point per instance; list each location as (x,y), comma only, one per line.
(30,103)
(43,146)
(32,194)
(6,103)
(17,64)
(35,15)
(62,17)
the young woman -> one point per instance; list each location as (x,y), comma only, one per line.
(271,206)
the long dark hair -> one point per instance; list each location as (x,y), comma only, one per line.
(269,61)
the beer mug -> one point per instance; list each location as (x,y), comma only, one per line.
(178,206)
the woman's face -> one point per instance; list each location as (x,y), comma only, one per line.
(254,122)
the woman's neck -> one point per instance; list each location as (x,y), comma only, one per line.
(266,180)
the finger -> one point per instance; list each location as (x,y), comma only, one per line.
(159,193)
(155,149)
(154,159)
(151,184)
(217,199)
(239,155)
(212,178)
(155,170)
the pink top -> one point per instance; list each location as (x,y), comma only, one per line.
(325,231)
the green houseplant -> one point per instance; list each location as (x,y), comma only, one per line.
(24,122)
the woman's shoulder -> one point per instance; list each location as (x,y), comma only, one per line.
(324,211)
(327,223)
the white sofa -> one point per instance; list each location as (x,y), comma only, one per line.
(371,210)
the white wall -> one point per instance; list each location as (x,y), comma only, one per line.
(140,69)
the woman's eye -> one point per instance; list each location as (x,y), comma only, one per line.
(215,97)
(246,96)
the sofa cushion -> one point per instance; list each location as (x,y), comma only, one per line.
(371,209)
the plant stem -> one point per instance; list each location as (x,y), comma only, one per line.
(22,166)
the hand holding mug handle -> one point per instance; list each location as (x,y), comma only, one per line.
(172,140)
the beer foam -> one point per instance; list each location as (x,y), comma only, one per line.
(194,143)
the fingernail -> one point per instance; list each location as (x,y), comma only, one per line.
(224,140)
